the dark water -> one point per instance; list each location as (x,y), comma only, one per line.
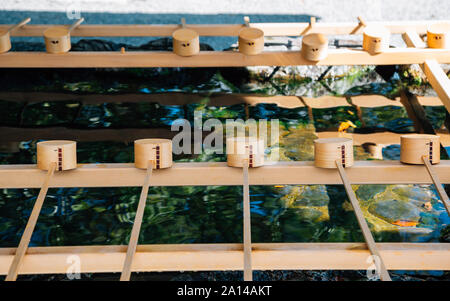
(296,213)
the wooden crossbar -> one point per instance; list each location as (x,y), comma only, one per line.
(438,80)
(142,59)
(214,257)
(193,174)
(435,75)
(270,29)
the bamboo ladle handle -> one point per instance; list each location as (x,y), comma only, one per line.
(26,236)
(247,226)
(20,24)
(442,194)
(76,24)
(132,244)
(384,275)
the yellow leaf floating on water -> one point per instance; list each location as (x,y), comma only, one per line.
(350,112)
(345,125)
(279,186)
(405,223)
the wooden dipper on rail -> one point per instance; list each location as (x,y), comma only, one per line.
(437,36)
(57,38)
(314,47)
(149,154)
(376,39)
(51,155)
(414,146)
(61,152)
(328,150)
(245,148)
(325,151)
(251,40)
(5,37)
(159,151)
(186,42)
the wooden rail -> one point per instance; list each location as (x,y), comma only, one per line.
(141,59)
(270,29)
(193,174)
(213,257)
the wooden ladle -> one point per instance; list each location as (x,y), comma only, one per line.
(5,38)
(57,38)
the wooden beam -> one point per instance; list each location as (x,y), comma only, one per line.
(412,39)
(270,29)
(435,75)
(438,80)
(193,174)
(221,257)
(143,59)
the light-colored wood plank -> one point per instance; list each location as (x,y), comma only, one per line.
(435,75)
(216,59)
(270,29)
(131,250)
(438,80)
(193,174)
(437,183)
(381,269)
(412,39)
(248,275)
(204,257)
(31,224)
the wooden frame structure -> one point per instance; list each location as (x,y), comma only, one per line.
(195,257)
(404,256)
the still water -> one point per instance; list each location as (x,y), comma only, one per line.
(213,214)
